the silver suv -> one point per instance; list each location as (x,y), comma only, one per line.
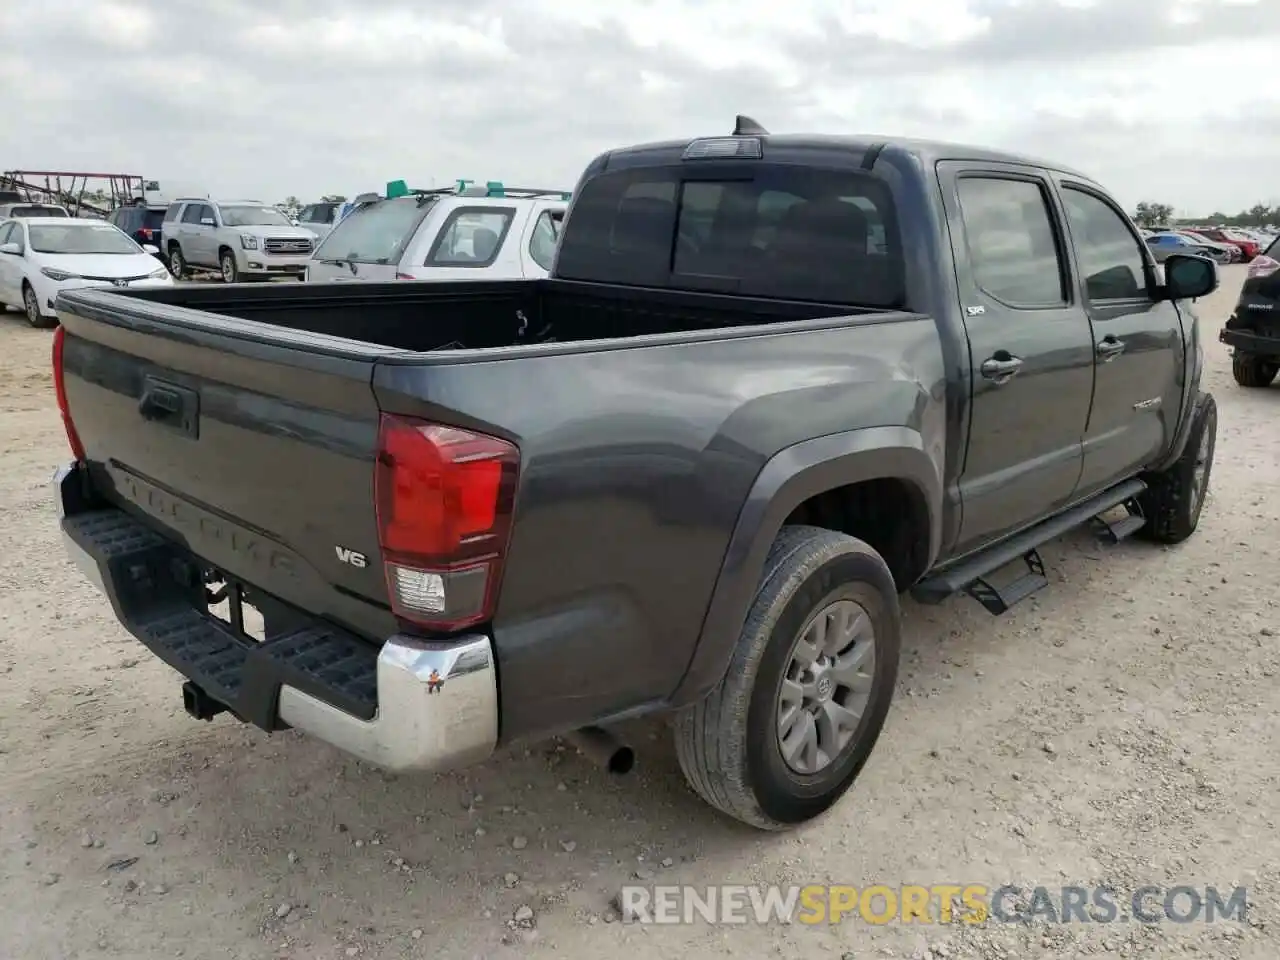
(241,239)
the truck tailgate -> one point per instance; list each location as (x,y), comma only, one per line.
(253,445)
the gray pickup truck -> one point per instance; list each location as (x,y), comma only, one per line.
(772,383)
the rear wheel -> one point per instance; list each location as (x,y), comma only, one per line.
(787,731)
(1253,371)
(31,303)
(1175,497)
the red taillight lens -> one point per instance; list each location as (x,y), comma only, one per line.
(146,233)
(60,390)
(444,499)
(1262,267)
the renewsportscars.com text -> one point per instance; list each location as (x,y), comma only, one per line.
(941,903)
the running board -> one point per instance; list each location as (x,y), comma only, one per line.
(970,575)
(1113,531)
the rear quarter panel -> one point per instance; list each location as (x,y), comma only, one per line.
(635,464)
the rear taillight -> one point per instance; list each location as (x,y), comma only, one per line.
(444,499)
(146,233)
(1262,267)
(60,390)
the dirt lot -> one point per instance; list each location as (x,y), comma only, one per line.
(1119,730)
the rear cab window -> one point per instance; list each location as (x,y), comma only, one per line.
(376,233)
(762,230)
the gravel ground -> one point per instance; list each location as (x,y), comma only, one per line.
(1119,729)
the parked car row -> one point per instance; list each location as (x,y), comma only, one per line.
(456,233)
(1223,244)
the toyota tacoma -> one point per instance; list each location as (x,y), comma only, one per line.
(772,383)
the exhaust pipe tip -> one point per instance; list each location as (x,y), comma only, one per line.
(603,748)
(622,761)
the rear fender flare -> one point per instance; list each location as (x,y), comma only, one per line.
(789,478)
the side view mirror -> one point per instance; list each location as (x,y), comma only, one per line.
(150,248)
(11,248)
(1187,277)
(207,222)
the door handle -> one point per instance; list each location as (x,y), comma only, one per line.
(1109,347)
(1001,368)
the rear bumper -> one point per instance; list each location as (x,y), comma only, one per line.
(1250,343)
(414,705)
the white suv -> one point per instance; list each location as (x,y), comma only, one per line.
(483,233)
(241,239)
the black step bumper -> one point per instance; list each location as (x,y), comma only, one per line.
(410,705)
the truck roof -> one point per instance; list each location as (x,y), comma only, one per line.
(927,151)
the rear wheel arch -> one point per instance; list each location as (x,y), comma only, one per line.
(828,482)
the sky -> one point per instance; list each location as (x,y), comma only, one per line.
(1171,101)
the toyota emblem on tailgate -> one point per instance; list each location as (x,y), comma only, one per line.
(121,283)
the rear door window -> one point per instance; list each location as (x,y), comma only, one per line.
(376,233)
(794,233)
(471,237)
(1011,240)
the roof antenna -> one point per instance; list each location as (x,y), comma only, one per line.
(746,127)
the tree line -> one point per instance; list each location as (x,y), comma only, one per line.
(1149,214)
(292,205)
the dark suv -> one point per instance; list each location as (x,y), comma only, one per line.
(1253,331)
(142,223)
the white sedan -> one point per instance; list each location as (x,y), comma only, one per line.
(42,256)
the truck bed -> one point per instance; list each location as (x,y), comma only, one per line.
(471,315)
(242,423)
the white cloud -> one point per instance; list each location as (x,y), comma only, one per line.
(1171,100)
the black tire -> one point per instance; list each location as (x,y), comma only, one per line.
(728,744)
(31,307)
(1172,502)
(227,266)
(177,262)
(1252,371)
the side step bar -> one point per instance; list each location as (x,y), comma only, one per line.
(969,575)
